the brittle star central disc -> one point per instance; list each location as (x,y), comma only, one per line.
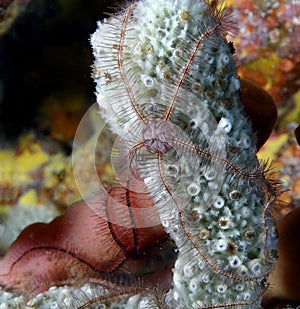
(158,136)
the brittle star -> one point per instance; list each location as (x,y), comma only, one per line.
(158,134)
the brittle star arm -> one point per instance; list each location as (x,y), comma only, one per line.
(132,154)
(256,175)
(183,221)
(130,291)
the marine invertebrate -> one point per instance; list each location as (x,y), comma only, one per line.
(176,107)
(111,242)
(49,275)
(268,46)
(168,86)
(263,116)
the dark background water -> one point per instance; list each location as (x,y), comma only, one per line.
(46,52)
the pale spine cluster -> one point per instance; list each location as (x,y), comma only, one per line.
(218,209)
